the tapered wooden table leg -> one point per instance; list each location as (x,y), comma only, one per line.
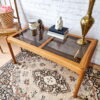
(1,49)
(12,54)
(78,84)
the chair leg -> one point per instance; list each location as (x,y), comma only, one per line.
(11,52)
(1,49)
(78,84)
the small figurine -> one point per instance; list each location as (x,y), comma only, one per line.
(59,24)
(41,29)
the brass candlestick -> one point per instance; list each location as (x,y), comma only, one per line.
(86,23)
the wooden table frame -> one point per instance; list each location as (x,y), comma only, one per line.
(79,68)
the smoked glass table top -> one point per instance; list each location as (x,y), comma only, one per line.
(68,48)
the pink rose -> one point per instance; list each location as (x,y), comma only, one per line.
(5,9)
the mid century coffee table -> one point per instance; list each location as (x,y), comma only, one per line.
(68,54)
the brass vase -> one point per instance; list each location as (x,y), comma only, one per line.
(86,23)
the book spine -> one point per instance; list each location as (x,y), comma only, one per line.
(56,31)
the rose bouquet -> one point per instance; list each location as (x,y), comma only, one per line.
(5,9)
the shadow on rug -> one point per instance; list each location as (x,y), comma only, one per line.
(36,78)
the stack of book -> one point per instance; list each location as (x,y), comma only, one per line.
(60,34)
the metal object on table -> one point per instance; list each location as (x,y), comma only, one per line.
(33,27)
(34,32)
(41,29)
(86,23)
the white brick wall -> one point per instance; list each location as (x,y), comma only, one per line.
(71,11)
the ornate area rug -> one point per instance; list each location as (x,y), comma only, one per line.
(36,78)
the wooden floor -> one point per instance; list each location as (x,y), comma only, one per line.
(5,57)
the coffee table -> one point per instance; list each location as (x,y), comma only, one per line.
(67,54)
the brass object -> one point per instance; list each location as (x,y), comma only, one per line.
(86,23)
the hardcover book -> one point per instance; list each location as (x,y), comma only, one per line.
(64,30)
(60,34)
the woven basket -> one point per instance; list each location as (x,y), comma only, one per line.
(6,19)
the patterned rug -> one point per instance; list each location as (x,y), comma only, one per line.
(36,78)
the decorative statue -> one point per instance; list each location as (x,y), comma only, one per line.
(59,24)
(41,29)
(86,23)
